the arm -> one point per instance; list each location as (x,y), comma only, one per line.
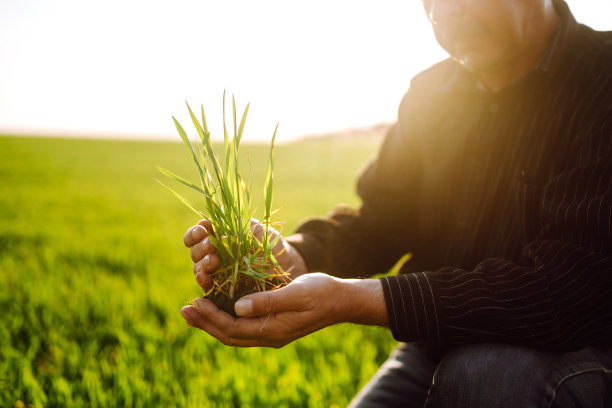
(275,318)
(556,296)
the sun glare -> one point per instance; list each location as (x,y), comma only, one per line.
(124,67)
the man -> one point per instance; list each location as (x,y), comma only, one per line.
(497,176)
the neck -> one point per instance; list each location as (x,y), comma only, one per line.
(513,68)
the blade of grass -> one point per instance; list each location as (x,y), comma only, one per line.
(234,115)
(183,135)
(242,123)
(204,121)
(268,193)
(228,203)
(183,200)
(181,180)
(212,156)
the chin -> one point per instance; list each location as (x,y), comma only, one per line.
(479,63)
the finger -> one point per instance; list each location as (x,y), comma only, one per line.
(232,328)
(200,320)
(257,229)
(194,319)
(263,303)
(186,315)
(206,224)
(207,264)
(204,280)
(201,249)
(194,235)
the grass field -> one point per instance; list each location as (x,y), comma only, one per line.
(93,275)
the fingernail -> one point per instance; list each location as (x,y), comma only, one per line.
(186,312)
(206,260)
(197,233)
(243,307)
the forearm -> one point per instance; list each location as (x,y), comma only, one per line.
(362,301)
(336,245)
(560,302)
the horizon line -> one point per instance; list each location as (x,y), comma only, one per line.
(374,129)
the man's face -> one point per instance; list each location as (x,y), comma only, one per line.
(483,34)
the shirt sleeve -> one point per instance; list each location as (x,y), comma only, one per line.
(556,296)
(367,241)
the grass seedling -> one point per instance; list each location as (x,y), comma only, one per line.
(247,262)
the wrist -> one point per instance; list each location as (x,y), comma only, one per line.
(363,302)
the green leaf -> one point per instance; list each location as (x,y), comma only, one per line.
(399,264)
(181,180)
(227,201)
(207,143)
(204,120)
(268,191)
(242,123)
(226,141)
(269,179)
(188,144)
(184,200)
(234,114)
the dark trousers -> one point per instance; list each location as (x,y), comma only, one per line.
(492,375)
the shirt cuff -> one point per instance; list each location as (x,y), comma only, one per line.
(412,307)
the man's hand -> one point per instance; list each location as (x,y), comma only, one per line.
(206,260)
(275,318)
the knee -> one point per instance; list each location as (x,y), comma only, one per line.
(486,375)
(584,389)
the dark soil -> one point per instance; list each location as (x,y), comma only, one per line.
(226,303)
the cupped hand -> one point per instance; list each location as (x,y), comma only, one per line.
(205,258)
(276,318)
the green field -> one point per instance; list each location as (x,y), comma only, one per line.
(93,275)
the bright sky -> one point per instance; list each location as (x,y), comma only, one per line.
(77,67)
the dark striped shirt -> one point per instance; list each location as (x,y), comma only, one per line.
(504,200)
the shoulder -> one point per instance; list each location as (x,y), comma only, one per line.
(591,65)
(591,48)
(584,81)
(436,79)
(428,86)
(415,113)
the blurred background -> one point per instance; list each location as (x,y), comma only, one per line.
(121,68)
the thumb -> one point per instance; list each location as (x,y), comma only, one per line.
(263,303)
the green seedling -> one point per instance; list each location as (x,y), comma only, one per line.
(247,262)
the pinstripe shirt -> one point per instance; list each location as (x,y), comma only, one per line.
(504,201)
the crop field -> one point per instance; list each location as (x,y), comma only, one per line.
(93,274)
